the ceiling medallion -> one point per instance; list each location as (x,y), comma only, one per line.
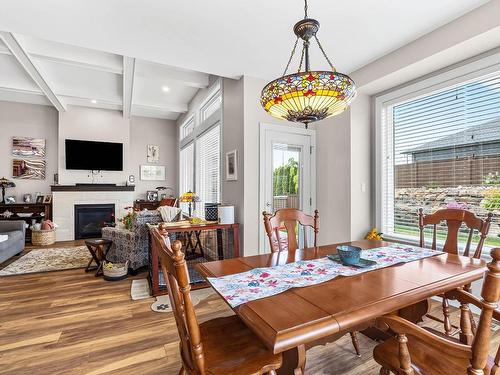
(308,96)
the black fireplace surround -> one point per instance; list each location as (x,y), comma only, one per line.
(90,218)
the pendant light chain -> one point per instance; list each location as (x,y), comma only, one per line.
(291,56)
(324,54)
(301,59)
(305,9)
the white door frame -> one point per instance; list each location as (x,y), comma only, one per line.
(263,127)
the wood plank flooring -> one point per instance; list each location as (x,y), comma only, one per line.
(69,322)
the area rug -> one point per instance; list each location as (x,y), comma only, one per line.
(140,289)
(51,259)
(162,303)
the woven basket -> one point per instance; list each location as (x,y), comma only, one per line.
(43,237)
(118,272)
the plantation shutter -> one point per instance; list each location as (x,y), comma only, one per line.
(208,166)
(442,150)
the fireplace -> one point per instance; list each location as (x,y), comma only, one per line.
(90,218)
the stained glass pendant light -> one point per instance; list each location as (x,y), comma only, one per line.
(308,95)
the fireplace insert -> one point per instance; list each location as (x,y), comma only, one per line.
(90,218)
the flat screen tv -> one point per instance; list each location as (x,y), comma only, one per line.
(90,155)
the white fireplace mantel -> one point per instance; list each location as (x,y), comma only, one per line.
(64,202)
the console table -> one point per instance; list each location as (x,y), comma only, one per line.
(186,230)
(19,208)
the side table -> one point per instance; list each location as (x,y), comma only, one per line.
(98,248)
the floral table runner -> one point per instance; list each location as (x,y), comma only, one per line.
(265,282)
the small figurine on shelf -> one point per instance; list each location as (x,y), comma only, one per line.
(129,218)
(189,197)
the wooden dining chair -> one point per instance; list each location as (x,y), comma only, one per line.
(219,346)
(289,219)
(454,219)
(416,350)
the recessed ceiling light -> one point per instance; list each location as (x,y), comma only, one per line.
(165,89)
(93,101)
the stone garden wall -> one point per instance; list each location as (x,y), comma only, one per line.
(477,199)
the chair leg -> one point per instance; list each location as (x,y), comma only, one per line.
(447,322)
(355,342)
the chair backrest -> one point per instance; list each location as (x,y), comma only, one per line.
(490,295)
(175,272)
(288,218)
(454,219)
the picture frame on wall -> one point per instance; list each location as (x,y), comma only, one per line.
(28,169)
(232,165)
(152,172)
(153,154)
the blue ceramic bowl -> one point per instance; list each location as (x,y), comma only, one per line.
(349,254)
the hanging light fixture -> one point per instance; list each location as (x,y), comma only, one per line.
(308,95)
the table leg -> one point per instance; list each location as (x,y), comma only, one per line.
(197,234)
(94,258)
(294,361)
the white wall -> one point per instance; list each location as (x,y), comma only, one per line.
(148,131)
(93,125)
(27,120)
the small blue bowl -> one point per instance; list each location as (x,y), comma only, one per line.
(349,254)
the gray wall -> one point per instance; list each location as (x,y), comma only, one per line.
(27,120)
(148,131)
(232,139)
(38,121)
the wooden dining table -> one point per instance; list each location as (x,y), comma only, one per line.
(288,321)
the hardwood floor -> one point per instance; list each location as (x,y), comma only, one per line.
(69,322)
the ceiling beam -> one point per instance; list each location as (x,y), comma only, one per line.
(128,84)
(29,66)
(160,72)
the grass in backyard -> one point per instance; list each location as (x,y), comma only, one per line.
(462,237)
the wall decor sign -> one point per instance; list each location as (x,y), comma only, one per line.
(27,147)
(32,169)
(153,155)
(232,165)
(153,172)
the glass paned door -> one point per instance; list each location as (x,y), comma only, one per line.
(286,174)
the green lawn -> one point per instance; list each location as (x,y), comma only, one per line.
(413,231)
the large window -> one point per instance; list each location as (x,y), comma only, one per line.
(440,150)
(200,150)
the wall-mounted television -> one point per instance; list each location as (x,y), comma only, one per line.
(90,155)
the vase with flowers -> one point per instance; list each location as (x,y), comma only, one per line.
(129,218)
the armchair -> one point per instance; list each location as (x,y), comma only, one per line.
(132,245)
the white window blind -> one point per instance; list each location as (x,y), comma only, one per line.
(186,171)
(442,150)
(208,166)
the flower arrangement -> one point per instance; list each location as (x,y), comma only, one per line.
(374,234)
(129,218)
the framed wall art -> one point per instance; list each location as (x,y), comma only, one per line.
(232,165)
(152,173)
(32,169)
(28,147)
(153,154)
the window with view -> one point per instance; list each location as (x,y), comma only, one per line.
(442,150)
(200,148)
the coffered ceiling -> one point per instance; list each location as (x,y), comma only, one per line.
(34,70)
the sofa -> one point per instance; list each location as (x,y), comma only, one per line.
(132,245)
(15,231)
